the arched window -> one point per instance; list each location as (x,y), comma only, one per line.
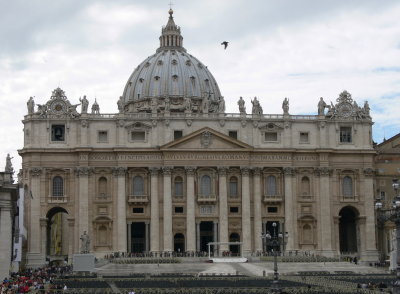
(178,183)
(305,186)
(233,187)
(103,187)
(205,186)
(347,186)
(271,186)
(58,186)
(138,186)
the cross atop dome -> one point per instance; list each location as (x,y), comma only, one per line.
(171,35)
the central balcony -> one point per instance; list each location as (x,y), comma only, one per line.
(57,199)
(272,198)
(138,199)
(206,198)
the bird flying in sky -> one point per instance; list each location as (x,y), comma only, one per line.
(225,43)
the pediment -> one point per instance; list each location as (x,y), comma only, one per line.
(206,139)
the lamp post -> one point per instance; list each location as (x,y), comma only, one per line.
(275,241)
(394,216)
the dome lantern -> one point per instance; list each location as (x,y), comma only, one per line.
(171,37)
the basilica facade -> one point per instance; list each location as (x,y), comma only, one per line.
(172,171)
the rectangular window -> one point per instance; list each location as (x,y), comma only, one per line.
(206,209)
(138,210)
(345,135)
(234,209)
(233,134)
(178,209)
(58,133)
(138,136)
(271,137)
(272,209)
(178,134)
(304,137)
(102,136)
(383,195)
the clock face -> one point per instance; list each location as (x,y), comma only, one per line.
(58,107)
(345,109)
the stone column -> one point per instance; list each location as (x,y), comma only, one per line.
(168,246)
(198,236)
(71,235)
(120,174)
(129,227)
(257,210)
(6,236)
(223,209)
(147,229)
(290,209)
(325,212)
(246,222)
(35,257)
(215,236)
(154,212)
(83,199)
(44,236)
(190,210)
(370,253)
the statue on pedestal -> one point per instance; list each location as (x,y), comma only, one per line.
(242,107)
(221,105)
(85,242)
(85,104)
(321,106)
(285,106)
(31,105)
(257,109)
(120,104)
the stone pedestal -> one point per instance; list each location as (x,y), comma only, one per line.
(83,262)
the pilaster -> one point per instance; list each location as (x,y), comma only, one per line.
(257,209)
(120,174)
(168,246)
(246,222)
(223,209)
(190,210)
(290,209)
(83,173)
(154,211)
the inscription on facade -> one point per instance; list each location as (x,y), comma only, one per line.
(198,156)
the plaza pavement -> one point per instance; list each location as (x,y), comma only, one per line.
(252,269)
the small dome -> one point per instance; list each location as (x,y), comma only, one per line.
(172,72)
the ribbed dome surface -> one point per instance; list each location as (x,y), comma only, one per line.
(171,73)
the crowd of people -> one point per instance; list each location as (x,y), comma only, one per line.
(38,280)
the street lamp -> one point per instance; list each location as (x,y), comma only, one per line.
(393,215)
(275,241)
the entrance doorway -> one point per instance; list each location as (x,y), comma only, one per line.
(57,232)
(234,249)
(348,230)
(206,236)
(138,237)
(179,243)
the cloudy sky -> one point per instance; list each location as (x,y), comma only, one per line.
(302,50)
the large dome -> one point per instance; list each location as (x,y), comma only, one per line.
(172,76)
